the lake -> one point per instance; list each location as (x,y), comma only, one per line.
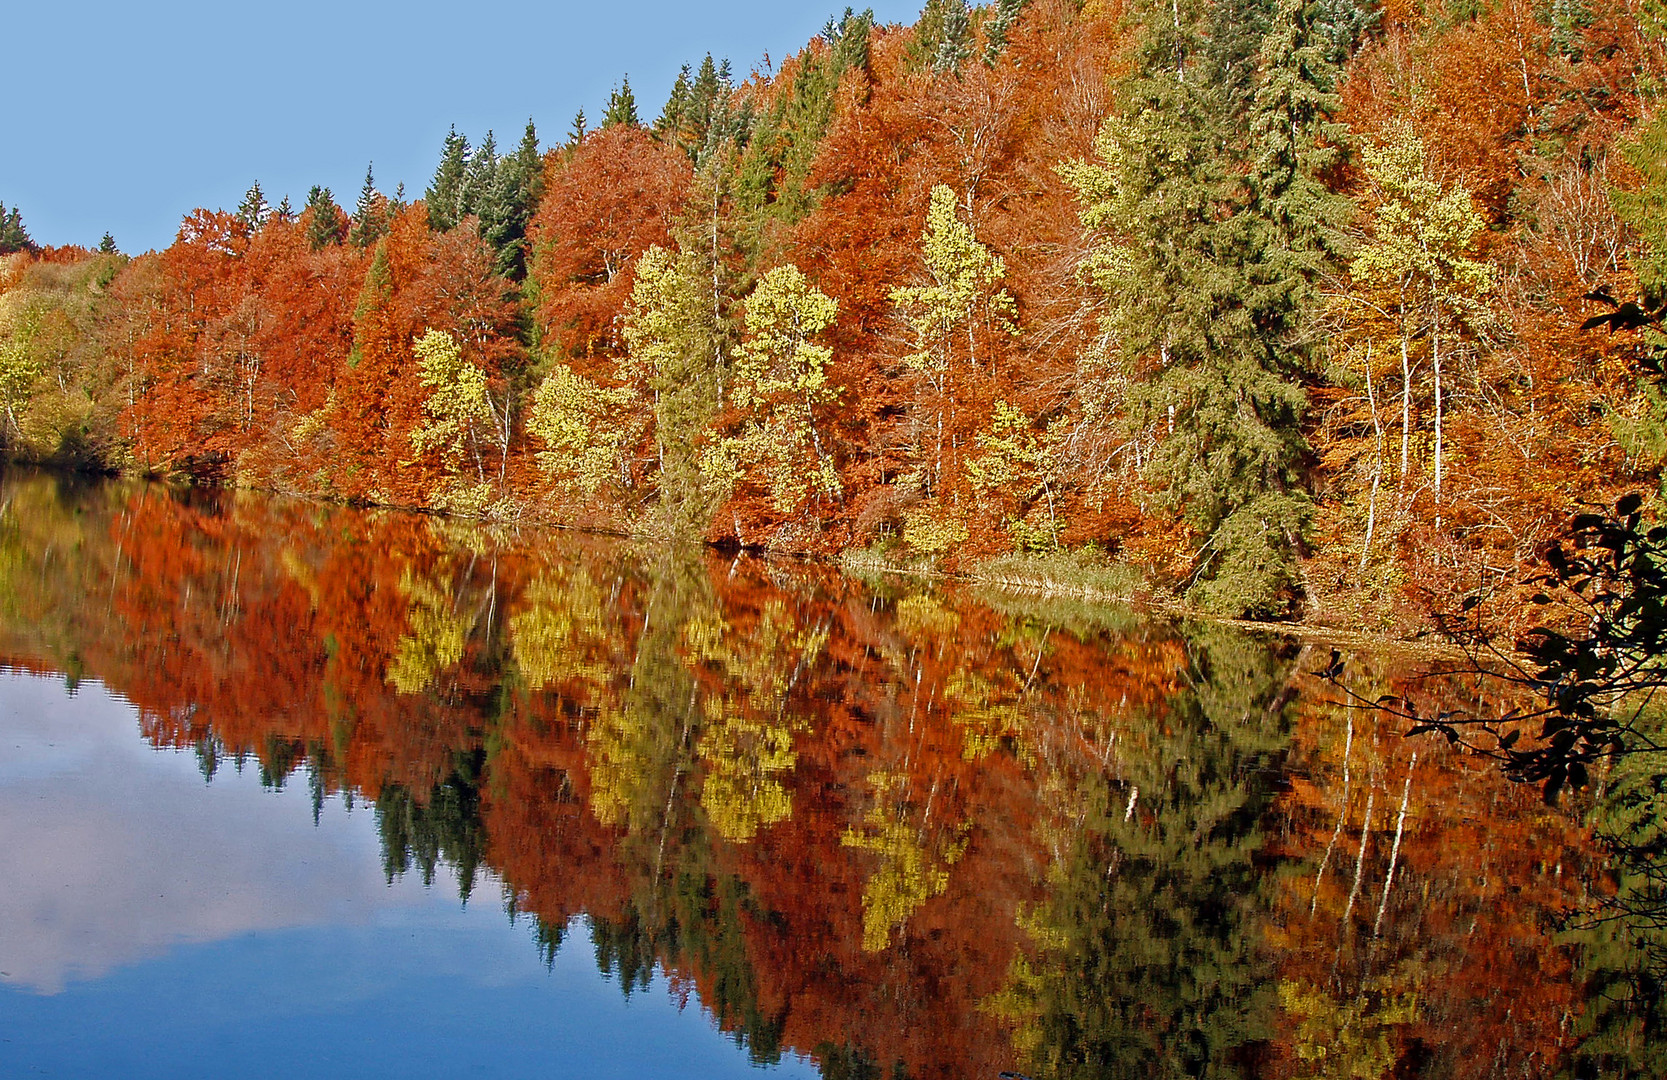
(302,790)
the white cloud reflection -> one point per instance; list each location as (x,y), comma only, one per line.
(112,852)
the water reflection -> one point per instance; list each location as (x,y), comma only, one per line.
(906,832)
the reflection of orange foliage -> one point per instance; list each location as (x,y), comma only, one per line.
(1462,941)
(273,628)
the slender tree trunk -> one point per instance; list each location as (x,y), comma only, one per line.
(1406,408)
(1435,356)
(1377,463)
(1337,831)
(1395,850)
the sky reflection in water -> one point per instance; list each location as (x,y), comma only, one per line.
(152,924)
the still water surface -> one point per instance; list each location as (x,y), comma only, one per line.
(305,791)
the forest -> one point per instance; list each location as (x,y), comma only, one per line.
(1268,307)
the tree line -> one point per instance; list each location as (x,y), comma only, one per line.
(1272,300)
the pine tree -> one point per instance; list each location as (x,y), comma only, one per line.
(999,25)
(1207,275)
(503,221)
(370,215)
(284,212)
(13,236)
(253,211)
(479,179)
(622,106)
(323,219)
(576,133)
(445,193)
(107,245)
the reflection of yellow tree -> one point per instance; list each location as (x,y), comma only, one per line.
(910,872)
(620,766)
(921,616)
(986,710)
(1347,1038)
(557,629)
(748,745)
(434,636)
(745,759)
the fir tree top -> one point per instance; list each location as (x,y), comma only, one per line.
(622,106)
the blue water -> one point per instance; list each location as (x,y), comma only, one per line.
(153,924)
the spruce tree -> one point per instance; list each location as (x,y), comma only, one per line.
(576,133)
(253,211)
(13,236)
(514,197)
(479,179)
(943,36)
(669,127)
(107,246)
(370,220)
(445,193)
(284,212)
(999,26)
(1208,273)
(622,106)
(323,219)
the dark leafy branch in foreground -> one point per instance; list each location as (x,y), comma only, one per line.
(1594,678)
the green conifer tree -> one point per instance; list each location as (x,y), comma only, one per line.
(107,245)
(253,211)
(1207,274)
(943,36)
(13,236)
(504,220)
(370,215)
(445,193)
(622,106)
(323,219)
(669,127)
(999,25)
(480,179)
(576,133)
(284,212)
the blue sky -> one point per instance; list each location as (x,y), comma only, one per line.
(125,116)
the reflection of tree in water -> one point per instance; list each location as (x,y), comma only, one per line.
(674,708)
(1147,960)
(444,826)
(1623,936)
(697,923)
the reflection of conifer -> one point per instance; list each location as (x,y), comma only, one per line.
(444,827)
(1180,982)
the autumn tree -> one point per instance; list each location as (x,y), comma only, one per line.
(460,416)
(947,319)
(1415,274)
(612,198)
(779,383)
